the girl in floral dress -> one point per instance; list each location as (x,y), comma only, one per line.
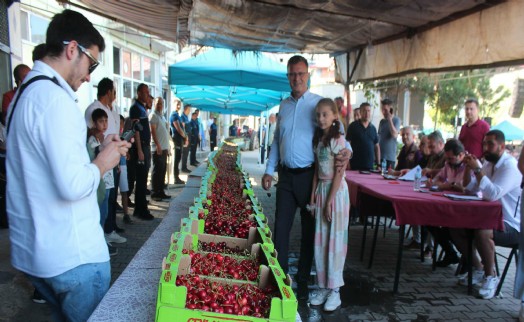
(330,205)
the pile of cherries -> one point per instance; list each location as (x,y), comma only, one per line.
(228,214)
(221,247)
(244,299)
(224,266)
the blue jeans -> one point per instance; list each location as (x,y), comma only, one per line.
(104,208)
(75,294)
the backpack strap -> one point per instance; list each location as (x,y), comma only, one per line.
(21,90)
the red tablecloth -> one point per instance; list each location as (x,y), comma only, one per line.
(425,209)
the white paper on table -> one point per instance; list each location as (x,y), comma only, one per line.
(462,197)
(410,175)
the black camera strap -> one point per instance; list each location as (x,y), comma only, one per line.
(21,91)
(516,207)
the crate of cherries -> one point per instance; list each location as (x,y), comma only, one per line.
(185,296)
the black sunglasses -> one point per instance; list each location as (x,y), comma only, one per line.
(94,61)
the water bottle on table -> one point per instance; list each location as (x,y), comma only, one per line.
(384,166)
(418,179)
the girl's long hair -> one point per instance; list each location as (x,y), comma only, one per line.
(334,129)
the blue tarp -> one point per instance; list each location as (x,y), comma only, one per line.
(220,81)
(511,132)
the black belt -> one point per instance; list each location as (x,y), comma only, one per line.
(297,170)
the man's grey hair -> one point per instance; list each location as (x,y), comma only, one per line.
(436,136)
(407,128)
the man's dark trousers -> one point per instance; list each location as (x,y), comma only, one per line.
(212,143)
(159,172)
(142,168)
(192,151)
(178,156)
(294,190)
(131,170)
(185,155)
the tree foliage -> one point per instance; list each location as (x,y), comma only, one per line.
(444,93)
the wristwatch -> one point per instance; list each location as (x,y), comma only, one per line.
(477,170)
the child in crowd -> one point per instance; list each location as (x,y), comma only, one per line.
(123,185)
(94,141)
(330,204)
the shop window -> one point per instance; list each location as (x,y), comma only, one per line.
(135,88)
(33,27)
(24,23)
(147,69)
(128,89)
(38,29)
(135,62)
(126,62)
(116,60)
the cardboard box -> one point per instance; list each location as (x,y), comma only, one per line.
(199,213)
(256,235)
(266,253)
(174,259)
(171,299)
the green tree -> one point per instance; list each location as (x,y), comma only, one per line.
(445,93)
(446,97)
(490,99)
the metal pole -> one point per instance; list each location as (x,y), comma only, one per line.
(348,95)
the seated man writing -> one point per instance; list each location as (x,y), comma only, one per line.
(436,158)
(449,178)
(497,179)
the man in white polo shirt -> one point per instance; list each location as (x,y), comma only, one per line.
(55,232)
(497,179)
(106,95)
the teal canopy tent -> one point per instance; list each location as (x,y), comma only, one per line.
(219,80)
(511,132)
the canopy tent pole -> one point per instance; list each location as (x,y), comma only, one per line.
(349,77)
(348,95)
(263,147)
(260,146)
(266,138)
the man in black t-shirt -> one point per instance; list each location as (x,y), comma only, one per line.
(364,140)
(142,150)
(179,139)
(233,128)
(213,134)
(194,132)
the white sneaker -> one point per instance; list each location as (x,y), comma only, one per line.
(318,297)
(113,237)
(521,313)
(489,286)
(478,277)
(333,301)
